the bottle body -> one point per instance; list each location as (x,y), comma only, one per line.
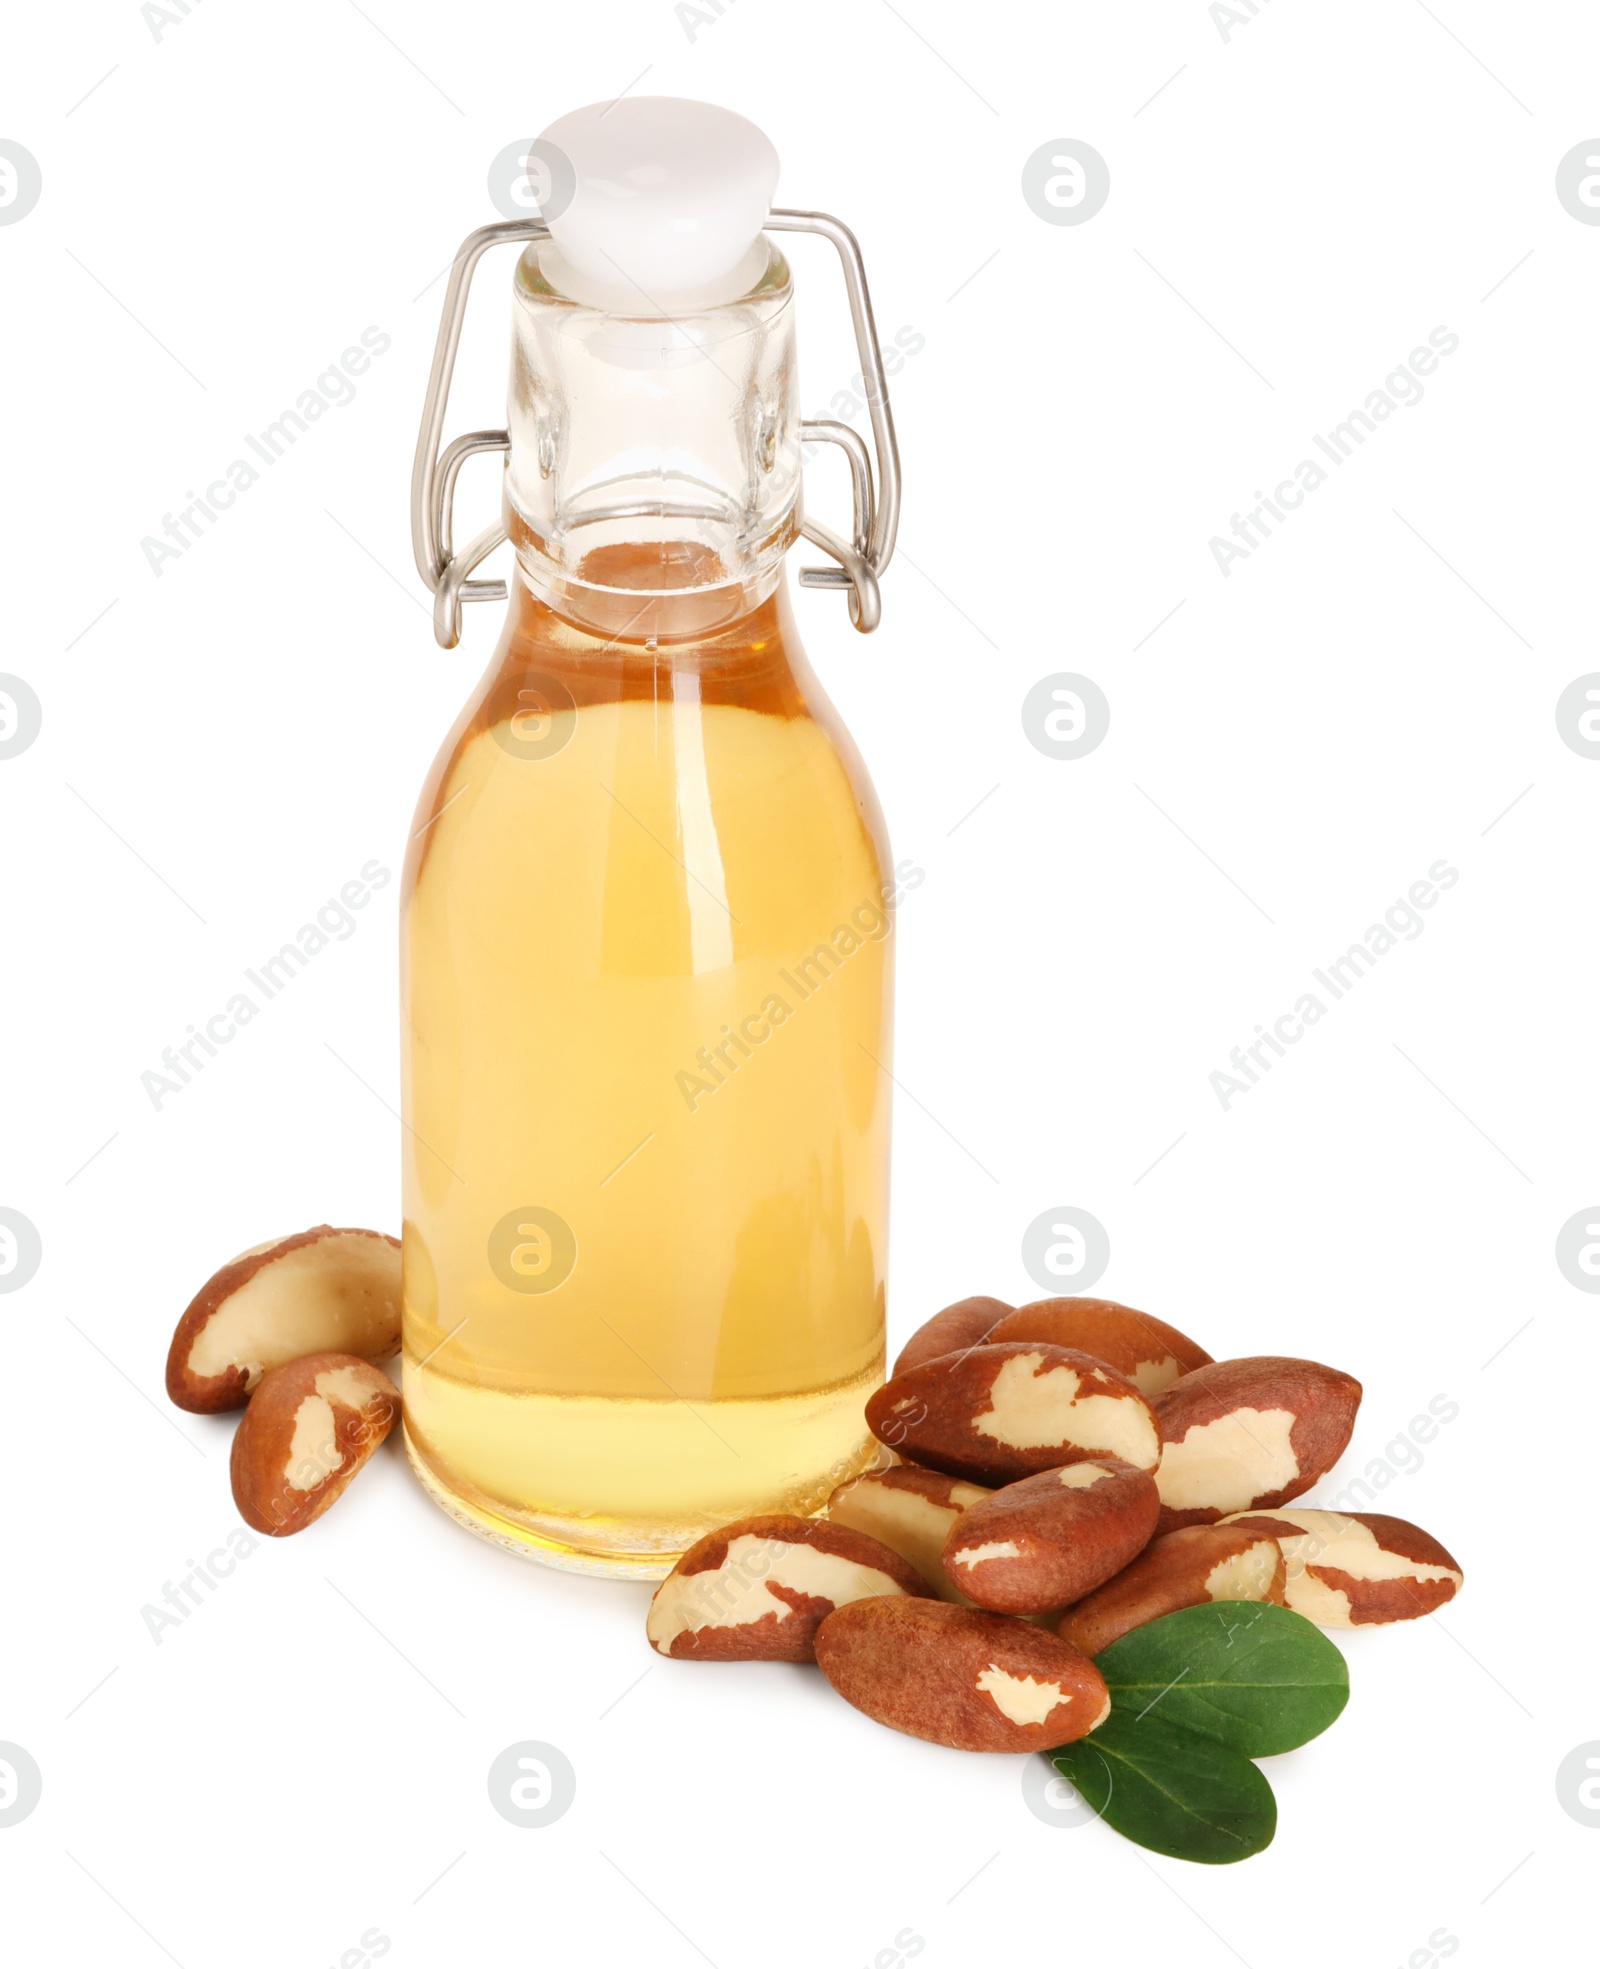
(647,977)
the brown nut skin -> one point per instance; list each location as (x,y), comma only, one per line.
(911,1511)
(309,1428)
(1147,1350)
(758,1589)
(1048,1540)
(1183,1569)
(1357,1568)
(1244,1435)
(961,1677)
(963,1325)
(1002,1412)
(322,1290)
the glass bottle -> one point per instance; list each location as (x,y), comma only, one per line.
(647,932)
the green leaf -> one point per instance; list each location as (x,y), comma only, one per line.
(1172,1791)
(1255,1677)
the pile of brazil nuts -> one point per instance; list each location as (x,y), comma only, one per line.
(291,1331)
(1052,1478)
(1062,1473)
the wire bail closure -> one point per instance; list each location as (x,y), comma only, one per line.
(875,493)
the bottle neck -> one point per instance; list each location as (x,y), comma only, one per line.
(653,484)
(660,631)
(641,591)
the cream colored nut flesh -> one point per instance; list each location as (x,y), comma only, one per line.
(912,1512)
(980,1555)
(1246,1575)
(998,1412)
(1023,1700)
(1225,1465)
(740,1592)
(1249,1433)
(1357,1569)
(320,1291)
(757,1589)
(1028,1400)
(310,1427)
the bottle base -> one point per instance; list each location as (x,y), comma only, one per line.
(600,1548)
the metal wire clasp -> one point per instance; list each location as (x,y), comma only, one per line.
(875,492)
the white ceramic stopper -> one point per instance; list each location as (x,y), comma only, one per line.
(664,204)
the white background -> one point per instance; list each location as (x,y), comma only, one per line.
(1372,690)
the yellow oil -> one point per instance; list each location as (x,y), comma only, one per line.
(647,959)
